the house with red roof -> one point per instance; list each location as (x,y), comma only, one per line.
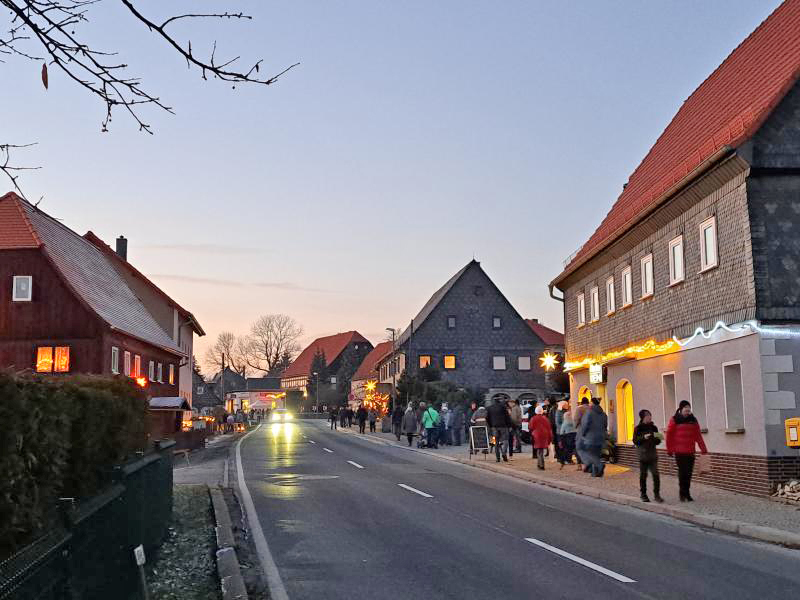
(368,372)
(687,290)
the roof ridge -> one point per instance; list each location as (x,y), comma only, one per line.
(15,200)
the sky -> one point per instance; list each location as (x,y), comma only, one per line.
(412,137)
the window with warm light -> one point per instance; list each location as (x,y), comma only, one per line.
(61,364)
(499,363)
(594,304)
(627,287)
(172,374)
(676,260)
(647,276)
(44,359)
(22,288)
(127,363)
(524,363)
(708,244)
(424,361)
(137,365)
(610,300)
(449,361)
(581,310)
(114,360)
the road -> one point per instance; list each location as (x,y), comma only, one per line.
(345,517)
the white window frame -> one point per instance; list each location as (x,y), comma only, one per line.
(674,276)
(200,389)
(520,366)
(114,360)
(627,286)
(725,392)
(160,373)
(611,301)
(137,365)
(497,322)
(151,371)
(594,304)
(704,422)
(647,260)
(14,297)
(581,310)
(499,363)
(711,222)
(171,374)
(127,363)
(674,407)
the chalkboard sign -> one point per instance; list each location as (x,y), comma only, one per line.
(480,437)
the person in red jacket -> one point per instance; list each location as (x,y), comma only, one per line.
(683,433)
(542,434)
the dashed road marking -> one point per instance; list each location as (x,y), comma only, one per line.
(581,561)
(311,442)
(327,450)
(415,490)
(355,464)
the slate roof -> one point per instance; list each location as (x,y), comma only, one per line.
(331,345)
(263,384)
(368,367)
(87,271)
(550,337)
(723,112)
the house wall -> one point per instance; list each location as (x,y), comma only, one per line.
(186,343)
(148,353)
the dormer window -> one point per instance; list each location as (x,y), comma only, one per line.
(22,288)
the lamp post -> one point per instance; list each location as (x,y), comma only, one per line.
(394,370)
(316,375)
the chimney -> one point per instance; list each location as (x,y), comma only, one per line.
(535,321)
(122,247)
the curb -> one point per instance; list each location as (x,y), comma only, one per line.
(230,574)
(720,523)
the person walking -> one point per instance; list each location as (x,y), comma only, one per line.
(580,411)
(430,422)
(397,421)
(498,420)
(683,433)
(566,434)
(333,415)
(361,417)
(592,433)
(410,424)
(552,415)
(372,415)
(457,424)
(646,437)
(541,435)
(515,414)
(445,423)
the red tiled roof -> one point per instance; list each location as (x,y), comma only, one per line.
(725,111)
(367,368)
(550,337)
(17,231)
(332,346)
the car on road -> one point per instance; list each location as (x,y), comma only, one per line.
(280,415)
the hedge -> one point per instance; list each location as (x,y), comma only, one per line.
(61,437)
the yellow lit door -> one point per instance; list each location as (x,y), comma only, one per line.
(625,419)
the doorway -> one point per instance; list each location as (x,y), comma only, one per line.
(625,419)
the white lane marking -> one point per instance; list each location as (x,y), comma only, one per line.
(415,490)
(355,464)
(327,450)
(276,589)
(311,442)
(581,561)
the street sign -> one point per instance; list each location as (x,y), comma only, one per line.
(138,553)
(597,373)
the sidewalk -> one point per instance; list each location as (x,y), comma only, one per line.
(749,516)
(208,465)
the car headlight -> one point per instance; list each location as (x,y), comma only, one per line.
(287,417)
(275,417)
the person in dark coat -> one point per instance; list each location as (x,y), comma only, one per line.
(683,433)
(552,416)
(410,423)
(499,421)
(646,437)
(458,424)
(397,421)
(333,415)
(594,426)
(361,417)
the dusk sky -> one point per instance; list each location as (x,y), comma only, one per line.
(413,136)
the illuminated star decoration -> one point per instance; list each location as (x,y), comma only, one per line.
(548,361)
(141,381)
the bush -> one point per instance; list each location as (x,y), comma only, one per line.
(61,438)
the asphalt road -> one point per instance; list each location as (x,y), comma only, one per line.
(348,518)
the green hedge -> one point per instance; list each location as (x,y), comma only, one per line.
(61,437)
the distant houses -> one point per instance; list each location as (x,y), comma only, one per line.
(367,372)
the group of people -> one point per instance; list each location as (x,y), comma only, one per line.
(345,416)
(434,426)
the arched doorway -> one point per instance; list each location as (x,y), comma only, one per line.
(500,397)
(625,419)
(584,392)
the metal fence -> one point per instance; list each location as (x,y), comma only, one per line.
(90,555)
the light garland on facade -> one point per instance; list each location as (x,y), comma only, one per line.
(649,347)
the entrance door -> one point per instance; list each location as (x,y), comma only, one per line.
(625,420)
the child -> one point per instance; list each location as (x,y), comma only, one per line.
(646,437)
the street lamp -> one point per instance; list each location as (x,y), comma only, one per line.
(393,367)
(315,374)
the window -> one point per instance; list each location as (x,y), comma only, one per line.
(172,376)
(708,244)
(594,303)
(524,363)
(151,371)
(697,394)
(114,360)
(160,372)
(451,322)
(610,300)
(424,361)
(581,310)
(127,363)
(647,276)
(668,395)
(499,363)
(61,364)
(44,359)
(497,322)
(333,379)
(734,396)
(676,260)
(22,288)
(137,365)
(200,389)
(449,361)
(627,287)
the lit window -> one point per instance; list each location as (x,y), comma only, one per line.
(449,361)
(627,287)
(22,288)
(61,364)
(44,359)
(160,373)
(114,359)
(172,374)
(451,322)
(137,365)
(127,364)
(151,371)
(708,244)
(581,310)
(524,363)
(734,396)
(610,300)
(497,322)
(424,361)
(647,276)
(594,306)
(499,363)
(676,260)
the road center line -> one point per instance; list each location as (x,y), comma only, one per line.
(355,464)
(311,442)
(581,561)
(327,450)
(415,490)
